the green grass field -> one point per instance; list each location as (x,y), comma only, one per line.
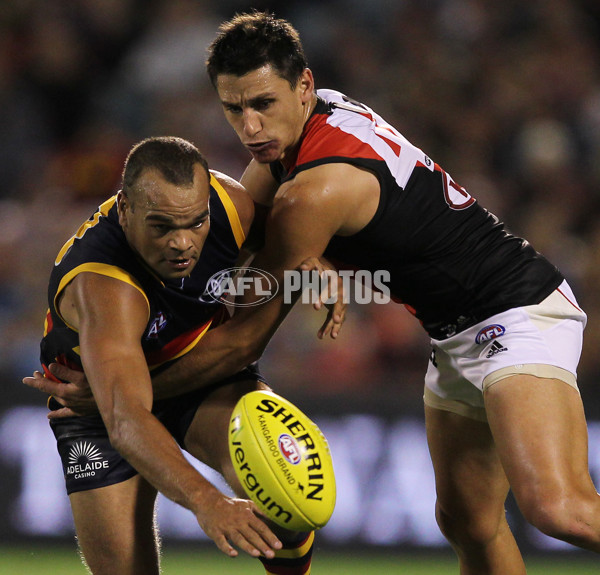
(42,561)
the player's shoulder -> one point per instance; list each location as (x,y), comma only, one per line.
(238,195)
(229,184)
(328,95)
(332,103)
(340,130)
(338,196)
(323,177)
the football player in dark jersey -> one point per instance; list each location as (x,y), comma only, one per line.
(501,399)
(125,297)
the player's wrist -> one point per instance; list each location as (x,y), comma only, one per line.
(202,496)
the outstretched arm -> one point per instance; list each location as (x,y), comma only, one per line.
(111,317)
(73,390)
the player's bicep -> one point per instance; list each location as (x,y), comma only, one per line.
(300,225)
(112,316)
(260,183)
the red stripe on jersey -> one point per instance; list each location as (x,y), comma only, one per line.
(409,308)
(324,141)
(49,375)
(574,305)
(396,148)
(175,346)
(61,360)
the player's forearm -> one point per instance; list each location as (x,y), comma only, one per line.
(222,352)
(201,367)
(146,444)
(122,388)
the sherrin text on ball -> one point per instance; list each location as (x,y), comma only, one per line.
(282,460)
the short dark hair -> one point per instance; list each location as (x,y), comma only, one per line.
(252,40)
(174,158)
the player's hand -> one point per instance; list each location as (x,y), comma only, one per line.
(230,521)
(76,395)
(336,311)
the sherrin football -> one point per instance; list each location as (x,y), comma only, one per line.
(282,460)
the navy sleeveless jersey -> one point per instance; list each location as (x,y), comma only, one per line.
(451,262)
(179,311)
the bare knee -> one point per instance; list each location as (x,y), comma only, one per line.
(116,529)
(467,530)
(563,516)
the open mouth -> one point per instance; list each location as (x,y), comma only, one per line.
(180,263)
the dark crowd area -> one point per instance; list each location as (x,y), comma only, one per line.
(504,95)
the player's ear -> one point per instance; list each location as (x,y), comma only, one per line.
(306,85)
(122,203)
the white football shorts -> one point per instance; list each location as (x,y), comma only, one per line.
(544,340)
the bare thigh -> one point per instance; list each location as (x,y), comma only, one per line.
(115,528)
(206,439)
(541,435)
(470,481)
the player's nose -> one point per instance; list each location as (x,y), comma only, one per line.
(252,123)
(181,241)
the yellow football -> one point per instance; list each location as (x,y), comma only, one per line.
(282,460)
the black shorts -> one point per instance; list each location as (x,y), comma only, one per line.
(89,460)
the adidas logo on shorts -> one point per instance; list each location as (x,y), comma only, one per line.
(495,348)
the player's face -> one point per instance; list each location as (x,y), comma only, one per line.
(165,224)
(267,114)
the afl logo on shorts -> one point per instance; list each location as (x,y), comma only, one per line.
(490,332)
(290,449)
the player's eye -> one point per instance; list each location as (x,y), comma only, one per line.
(200,222)
(262,105)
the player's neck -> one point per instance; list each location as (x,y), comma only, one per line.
(288,159)
(309,109)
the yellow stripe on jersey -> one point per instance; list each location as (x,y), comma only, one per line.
(103,270)
(46,322)
(102,211)
(187,348)
(232,215)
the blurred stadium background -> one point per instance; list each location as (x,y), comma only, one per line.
(505,95)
